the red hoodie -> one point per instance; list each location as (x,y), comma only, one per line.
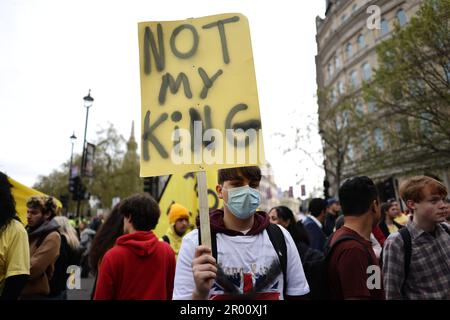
(138,267)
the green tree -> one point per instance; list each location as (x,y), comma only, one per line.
(338,130)
(411,86)
(116,171)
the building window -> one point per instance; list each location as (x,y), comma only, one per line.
(384,27)
(345,118)
(360,109)
(367,71)
(338,122)
(330,69)
(343,18)
(365,143)
(354,8)
(333,96)
(416,87)
(337,62)
(350,152)
(425,124)
(372,106)
(379,139)
(447,71)
(341,88)
(354,79)
(361,41)
(349,50)
(401,17)
(402,130)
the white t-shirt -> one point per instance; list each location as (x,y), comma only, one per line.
(244,260)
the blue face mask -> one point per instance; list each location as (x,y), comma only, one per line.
(243,201)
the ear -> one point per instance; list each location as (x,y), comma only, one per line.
(411,205)
(219,191)
(127,219)
(375,206)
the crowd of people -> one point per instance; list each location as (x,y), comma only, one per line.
(353,247)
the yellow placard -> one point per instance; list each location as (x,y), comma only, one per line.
(21,194)
(199,98)
(182,189)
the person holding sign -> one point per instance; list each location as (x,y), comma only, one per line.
(250,258)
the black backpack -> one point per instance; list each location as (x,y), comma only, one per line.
(166,239)
(276,237)
(316,270)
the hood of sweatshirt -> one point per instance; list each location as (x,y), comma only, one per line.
(261,221)
(141,243)
(44,228)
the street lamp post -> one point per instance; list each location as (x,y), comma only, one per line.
(88,101)
(73,138)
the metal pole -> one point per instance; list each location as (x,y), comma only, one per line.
(70,168)
(70,176)
(82,158)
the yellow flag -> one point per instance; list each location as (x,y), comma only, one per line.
(21,193)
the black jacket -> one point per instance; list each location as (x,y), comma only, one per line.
(384,228)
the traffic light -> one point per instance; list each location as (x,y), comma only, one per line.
(74,184)
(326,187)
(151,186)
(148,185)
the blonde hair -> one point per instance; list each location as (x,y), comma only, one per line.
(68,231)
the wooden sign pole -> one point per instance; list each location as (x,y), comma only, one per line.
(204,209)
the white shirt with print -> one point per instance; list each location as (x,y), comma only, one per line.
(245,260)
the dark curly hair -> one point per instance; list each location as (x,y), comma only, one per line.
(46,204)
(7,203)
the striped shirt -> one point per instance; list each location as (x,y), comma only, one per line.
(429,271)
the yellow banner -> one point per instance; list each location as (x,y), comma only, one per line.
(21,193)
(182,189)
(200,108)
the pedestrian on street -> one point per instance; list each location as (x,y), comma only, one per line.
(45,243)
(178,226)
(14,248)
(350,259)
(242,263)
(416,259)
(314,223)
(139,266)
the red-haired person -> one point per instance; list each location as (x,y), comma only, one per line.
(416,260)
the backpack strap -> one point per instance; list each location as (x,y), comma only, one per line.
(276,238)
(213,243)
(343,239)
(166,239)
(279,243)
(407,245)
(446,229)
(406,236)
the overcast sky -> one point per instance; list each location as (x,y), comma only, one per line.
(53,51)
